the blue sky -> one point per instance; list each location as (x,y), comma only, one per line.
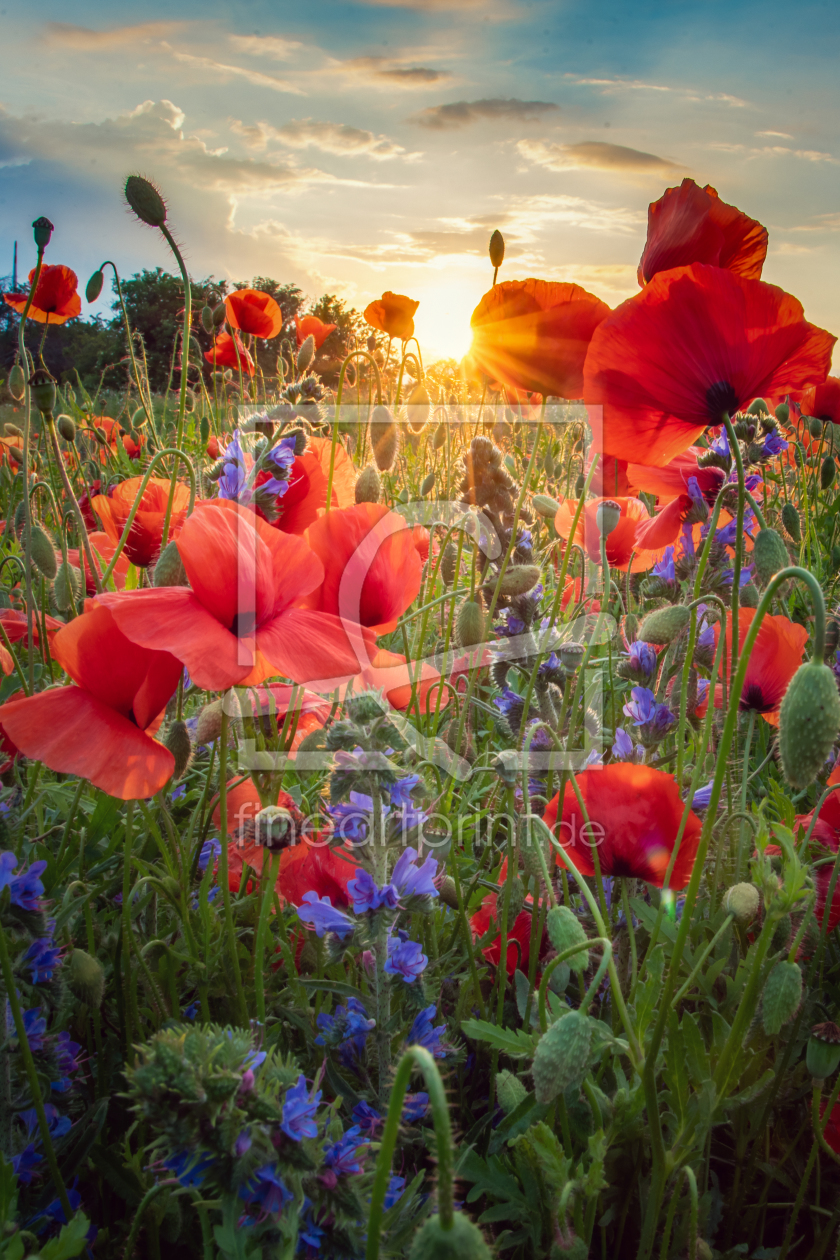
(357,147)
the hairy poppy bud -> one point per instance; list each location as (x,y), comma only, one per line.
(427,485)
(66,426)
(749,595)
(169,570)
(145,200)
(516,897)
(11,430)
(448,893)
(782,413)
(464,1241)
(189,400)
(822,1055)
(204,430)
(85,977)
(460,741)
(42,230)
(368,486)
(510,1091)
(742,902)
(758,408)
(497,249)
(769,554)
(782,995)
(569,1247)
(178,742)
(828,472)
(219,315)
(42,388)
(664,624)
(562,1056)
(94,286)
(440,437)
(469,626)
(384,436)
(565,930)
(815,427)
(306,354)
(67,587)
(418,407)
(519,579)
(545,506)
(207,320)
(448,562)
(809,719)
(209,725)
(42,550)
(608,516)
(17,382)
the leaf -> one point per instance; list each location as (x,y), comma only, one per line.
(102,819)
(528,1113)
(491,1179)
(697,1061)
(338,987)
(752,1092)
(70,1241)
(132,578)
(782,996)
(675,1071)
(553,1162)
(516,1043)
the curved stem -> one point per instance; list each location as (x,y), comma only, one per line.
(135,371)
(185,358)
(27,424)
(150,1194)
(156,458)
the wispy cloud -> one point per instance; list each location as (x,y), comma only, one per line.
(779,135)
(224,70)
(615,86)
(596,155)
(329,137)
(270,46)
(773,150)
(463,113)
(83,39)
(391,71)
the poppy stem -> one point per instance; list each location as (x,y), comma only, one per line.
(270,877)
(241,1008)
(745,774)
(27,424)
(185,358)
(135,371)
(84,540)
(354,354)
(735,448)
(135,507)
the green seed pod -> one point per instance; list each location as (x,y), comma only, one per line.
(749,595)
(207,320)
(66,426)
(384,436)
(464,1241)
(67,587)
(545,505)
(428,485)
(305,354)
(85,977)
(42,230)
(607,516)
(565,930)
(497,249)
(145,200)
(562,1056)
(519,579)
(742,902)
(178,742)
(17,382)
(828,471)
(822,1055)
(769,554)
(782,995)
(664,624)
(42,391)
(169,570)
(418,406)
(440,437)
(809,720)
(815,427)
(43,551)
(510,1091)
(469,625)
(368,485)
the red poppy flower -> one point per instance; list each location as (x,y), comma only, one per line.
(697,342)
(212,448)
(223,354)
(103,549)
(98,729)
(90,520)
(372,570)
(392,314)
(15,623)
(823,401)
(831,1133)
(621,542)
(9,444)
(573,594)
(534,335)
(252,311)
(55,299)
(144,539)
(112,433)
(306,496)
(519,932)
(691,224)
(612,477)
(775,657)
(271,703)
(390,673)
(671,480)
(312,326)
(634,814)
(238,624)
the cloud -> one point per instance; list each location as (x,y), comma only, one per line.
(85,40)
(428,6)
(462,113)
(780,135)
(271,46)
(596,155)
(328,137)
(613,86)
(223,70)
(775,150)
(391,71)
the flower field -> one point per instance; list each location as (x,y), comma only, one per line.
(420,830)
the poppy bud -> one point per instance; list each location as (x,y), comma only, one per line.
(571,656)
(460,742)
(827,472)
(510,1091)
(570,1247)
(384,436)
(209,725)
(545,506)
(749,595)
(440,437)
(42,388)
(178,742)
(769,554)
(67,587)
(207,320)
(607,516)
(448,893)
(562,1056)
(85,977)
(809,719)
(306,354)
(368,486)
(815,426)
(169,570)
(782,995)
(11,430)
(519,579)
(17,382)
(506,765)
(371,342)
(428,484)
(145,200)
(447,563)
(15,456)
(664,624)
(42,550)
(66,426)
(497,249)
(189,401)
(462,1241)
(548,464)
(782,413)
(42,230)
(822,1055)
(418,407)
(579,485)
(758,408)
(565,930)
(742,902)
(791,522)
(94,286)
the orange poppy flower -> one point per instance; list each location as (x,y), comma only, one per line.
(239,623)
(634,814)
(99,728)
(696,342)
(621,543)
(611,477)
(823,401)
(775,657)
(518,936)
(306,496)
(213,449)
(15,623)
(103,549)
(144,539)
(111,429)
(55,299)
(671,480)
(223,354)
(393,315)
(312,326)
(534,335)
(252,311)
(691,224)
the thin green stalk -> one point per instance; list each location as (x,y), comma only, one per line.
(270,869)
(230,933)
(27,424)
(156,458)
(185,356)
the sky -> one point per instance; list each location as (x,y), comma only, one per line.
(357,147)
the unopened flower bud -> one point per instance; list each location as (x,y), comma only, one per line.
(67,587)
(384,437)
(418,407)
(742,902)
(519,579)
(178,742)
(828,471)
(42,550)
(306,354)
(66,426)
(93,288)
(17,382)
(461,1241)
(815,427)
(545,505)
(809,719)
(664,624)
(562,1056)
(169,570)
(769,554)
(207,320)
(565,930)
(440,437)
(85,977)
(428,484)
(368,485)
(469,626)
(145,200)
(608,516)
(497,249)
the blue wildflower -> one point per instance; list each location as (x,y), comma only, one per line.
(401,791)
(267,1189)
(642,658)
(664,569)
(26,888)
(210,850)
(641,707)
(24,1164)
(320,914)
(347,1028)
(702,798)
(190,1167)
(43,957)
(367,1118)
(624,749)
(415,1107)
(190,1012)
(423,1034)
(774,444)
(394,1193)
(234,478)
(299,1111)
(343,1157)
(405,958)
(366,896)
(412,880)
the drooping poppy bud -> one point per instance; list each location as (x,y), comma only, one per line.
(769,554)
(827,472)
(178,742)
(562,1056)
(809,719)
(368,486)
(469,626)
(418,407)
(86,978)
(664,624)
(42,550)
(207,320)
(306,354)
(17,382)
(42,230)
(565,930)
(545,506)
(742,902)
(93,288)
(67,587)
(497,249)
(518,580)
(145,200)
(384,436)
(169,570)
(462,1241)
(66,426)
(428,484)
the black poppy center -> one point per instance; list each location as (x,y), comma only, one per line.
(752,697)
(720,398)
(243,624)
